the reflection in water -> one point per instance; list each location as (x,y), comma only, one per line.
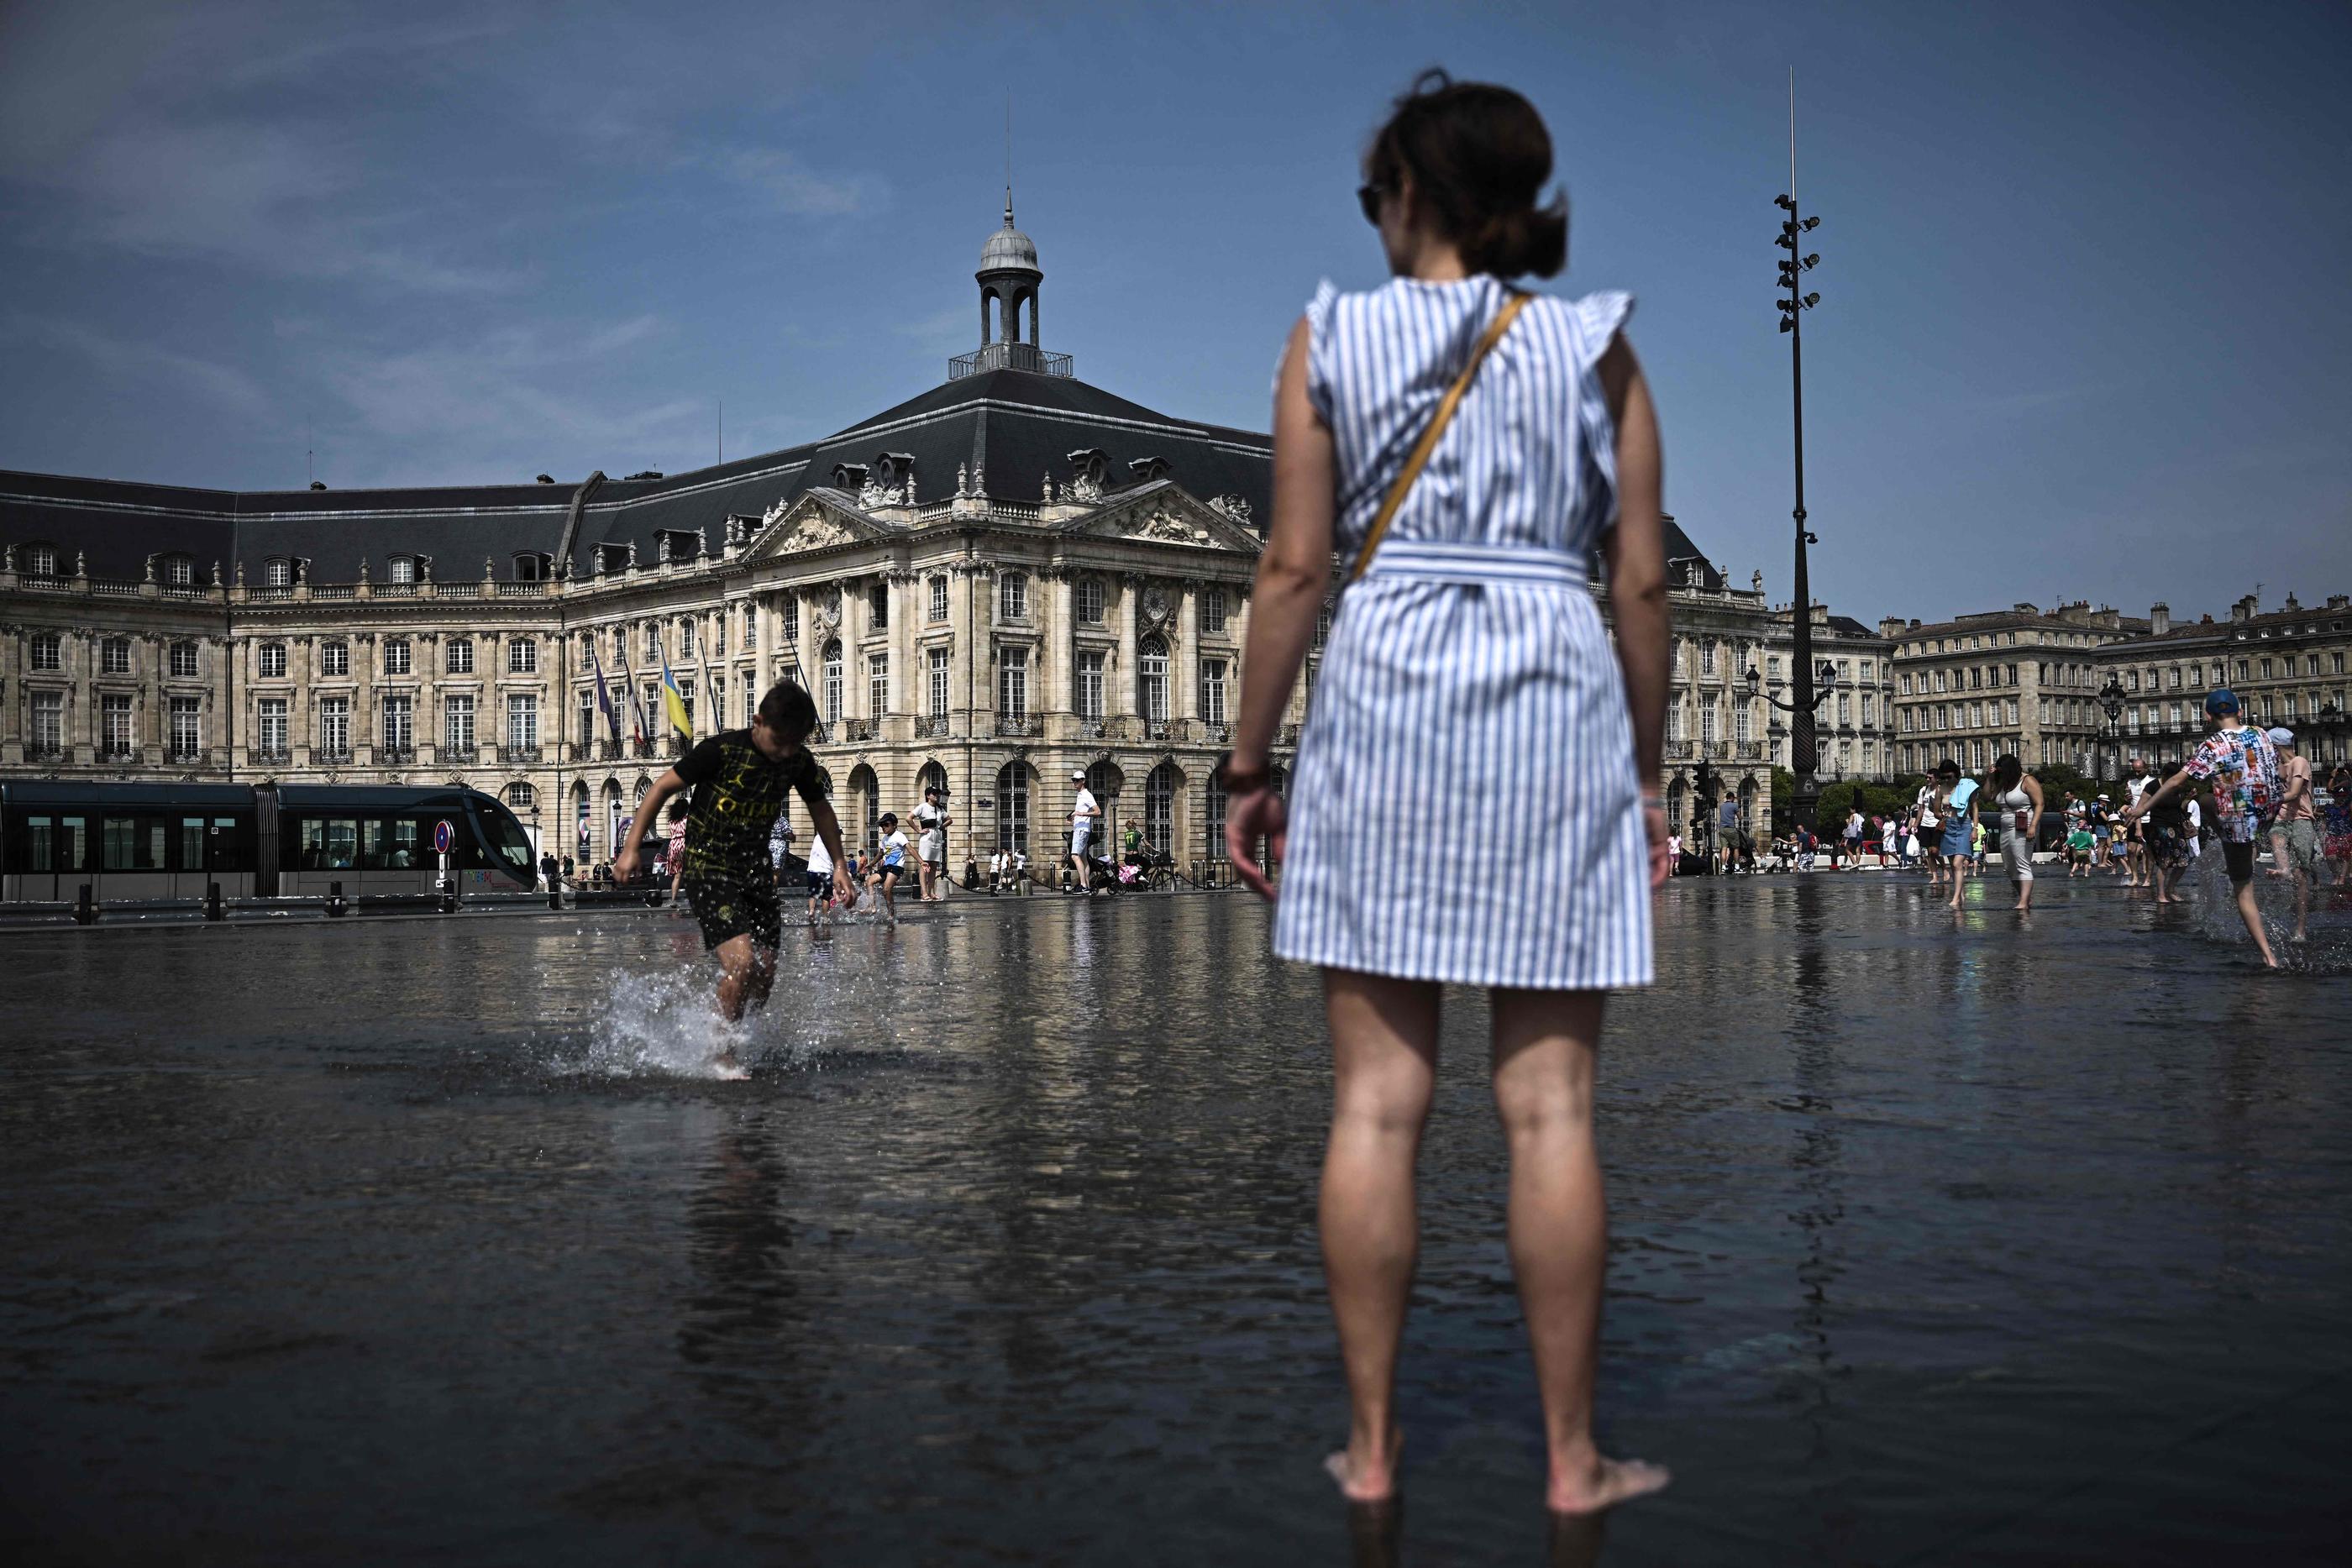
(1006,1252)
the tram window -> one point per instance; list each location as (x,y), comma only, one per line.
(389,845)
(190,856)
(41,845)
(73,843)
(330,843)
(135,844)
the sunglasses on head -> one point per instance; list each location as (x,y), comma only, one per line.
(1369,198)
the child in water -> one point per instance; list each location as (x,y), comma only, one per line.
(892,865)
(739,778)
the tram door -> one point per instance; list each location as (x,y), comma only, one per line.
(208,848)
(57,859)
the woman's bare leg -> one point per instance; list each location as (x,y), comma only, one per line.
(1544,1046)
(1384,1050)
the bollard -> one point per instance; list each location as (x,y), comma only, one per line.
(554,899)
(336,904)
(449,896)
(213,900)
(86,908)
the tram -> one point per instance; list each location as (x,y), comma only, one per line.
(143,841)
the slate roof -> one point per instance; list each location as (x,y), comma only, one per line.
(1014,426)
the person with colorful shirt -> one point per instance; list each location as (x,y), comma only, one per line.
(2242,765)
(2335,818)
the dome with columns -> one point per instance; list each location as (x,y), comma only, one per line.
(1008,250)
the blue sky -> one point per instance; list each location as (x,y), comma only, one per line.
(2084,329)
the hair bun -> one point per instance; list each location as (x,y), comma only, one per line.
(1478,156)
(1519,241)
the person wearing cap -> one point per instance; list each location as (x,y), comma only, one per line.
(2242,767)
(1084,814)
(2294,832)
(931,819)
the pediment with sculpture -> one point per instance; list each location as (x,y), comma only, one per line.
(1166,514)
(815,521)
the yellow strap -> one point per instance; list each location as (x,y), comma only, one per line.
(1429,438)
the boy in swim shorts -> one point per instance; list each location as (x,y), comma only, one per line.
(892,865)
(739,778)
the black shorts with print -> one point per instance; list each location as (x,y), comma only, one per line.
(732,907)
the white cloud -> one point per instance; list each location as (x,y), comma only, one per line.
(795,188)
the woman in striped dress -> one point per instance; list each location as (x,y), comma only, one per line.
(1469,689)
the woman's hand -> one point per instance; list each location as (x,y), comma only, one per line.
(624,864)
(1653,819)
(1256,814)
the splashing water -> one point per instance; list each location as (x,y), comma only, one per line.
(2214,909)
(664,1024)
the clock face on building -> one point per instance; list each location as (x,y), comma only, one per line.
(1155,602)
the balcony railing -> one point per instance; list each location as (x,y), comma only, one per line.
(276,754)
(857,729)
(1010,357)
(518,756)
(395,755)
(930,726)
(116,751)
(453,752)
(38,752)
(1158,730)
(1015,725)
(184,754)
(331,757)
(1216,732)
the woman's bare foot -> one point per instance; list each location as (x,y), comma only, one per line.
(1605,1484)
(1368,1477)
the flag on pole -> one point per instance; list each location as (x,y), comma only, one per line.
(604,695)
(636,705)
(674,700)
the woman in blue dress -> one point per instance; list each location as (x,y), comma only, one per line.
(1469,691)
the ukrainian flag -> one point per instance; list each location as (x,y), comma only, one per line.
(674,702)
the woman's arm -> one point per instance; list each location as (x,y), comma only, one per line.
(1293,575)
(1636,554)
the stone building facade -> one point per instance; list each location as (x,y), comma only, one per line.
(2288,666)
(2023,680)
(1009,578)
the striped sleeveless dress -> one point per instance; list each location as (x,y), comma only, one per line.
(1466,806)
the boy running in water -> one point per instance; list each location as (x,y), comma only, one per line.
(739,778)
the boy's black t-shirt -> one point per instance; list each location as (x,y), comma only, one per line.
(738,792)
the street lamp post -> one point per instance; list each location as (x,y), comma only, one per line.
(2111,703)
(1815,686)
(1804,756)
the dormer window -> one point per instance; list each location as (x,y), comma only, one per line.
(533,566)
(178,570)
(613,558)
(401,569)
(278,572)
(849,477)
(1147,469)
(677,545)
(39,559)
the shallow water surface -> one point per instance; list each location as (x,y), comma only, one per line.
(1936,1238)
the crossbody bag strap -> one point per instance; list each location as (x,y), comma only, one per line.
(1429,437)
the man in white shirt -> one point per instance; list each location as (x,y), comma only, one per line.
(1083,817)
(2136,779)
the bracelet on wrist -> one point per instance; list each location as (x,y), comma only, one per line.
(1241,781)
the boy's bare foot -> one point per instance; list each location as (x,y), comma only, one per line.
(1608,1484)
(1366,1478)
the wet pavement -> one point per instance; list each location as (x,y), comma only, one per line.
(1936,1239)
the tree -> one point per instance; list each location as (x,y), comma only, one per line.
(1784,799)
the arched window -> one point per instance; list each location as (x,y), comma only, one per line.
(1012,807)
(533,566)
(581,846)
(278,572)
(402,569)
(616,819)
(866,791)
(833,682)
(1105,780)
(1151,670)
(931,777)
(522,797)
(1159,788)
(179,570)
